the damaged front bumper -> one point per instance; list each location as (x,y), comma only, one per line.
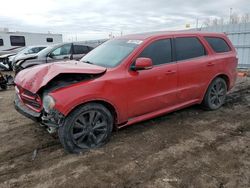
(51,120)
(22,109)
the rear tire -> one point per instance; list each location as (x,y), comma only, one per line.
(216,94)
(89,126)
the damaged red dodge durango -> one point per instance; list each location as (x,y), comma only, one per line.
(124,81)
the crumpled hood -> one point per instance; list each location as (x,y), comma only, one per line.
(36,77)
(26,57)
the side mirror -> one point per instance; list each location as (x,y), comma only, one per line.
(143,63)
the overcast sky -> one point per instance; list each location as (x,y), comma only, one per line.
(95,19)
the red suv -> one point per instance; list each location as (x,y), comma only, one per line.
(124,81)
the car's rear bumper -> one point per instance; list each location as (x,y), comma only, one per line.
(22,109)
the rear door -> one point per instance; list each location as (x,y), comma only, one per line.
(79,51)
(154,89)
(195,67)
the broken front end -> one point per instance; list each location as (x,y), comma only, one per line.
(38,109)
(34,86)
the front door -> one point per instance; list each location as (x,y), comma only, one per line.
(154,89)
(63,52)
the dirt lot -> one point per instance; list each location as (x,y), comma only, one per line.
(188,148)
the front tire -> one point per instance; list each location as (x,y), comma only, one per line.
(216,94)
(89,126)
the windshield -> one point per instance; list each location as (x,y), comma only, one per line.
(111,53)
(23,50)
(31,50)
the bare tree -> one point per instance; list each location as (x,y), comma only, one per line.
(221,21)
(245,18)
(215,22)
(235,18)
(207,22)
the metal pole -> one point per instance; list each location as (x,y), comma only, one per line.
(197,23)
(230,16)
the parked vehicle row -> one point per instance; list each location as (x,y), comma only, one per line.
(35,55)
(123,81)
(26,51)
(5,64)
(8,60)
(53,53)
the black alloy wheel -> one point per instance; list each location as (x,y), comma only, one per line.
(89,126)
(216,94)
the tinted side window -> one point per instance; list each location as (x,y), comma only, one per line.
(1,42)
(17,40)
(80,49)
(219,45)
(49,39)
(188,47)
(160,52)
(63,50)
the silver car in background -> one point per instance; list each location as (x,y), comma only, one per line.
(53,53)
(26,51)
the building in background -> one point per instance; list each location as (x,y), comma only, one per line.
(239,34)
(11,40)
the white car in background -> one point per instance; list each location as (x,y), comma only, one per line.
(7,60)
(26,51)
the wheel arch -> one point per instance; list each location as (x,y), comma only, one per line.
(223,76)
(226,78)
(113,110)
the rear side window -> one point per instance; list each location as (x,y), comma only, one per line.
(219,45)
(80,49)
(17,40)
(188,47)
(1,42)
(160,52)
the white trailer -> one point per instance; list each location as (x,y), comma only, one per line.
(12,40)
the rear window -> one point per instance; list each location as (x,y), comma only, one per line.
(188,47)
(17,40)
(1,42)
(219,45)
(80,49)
